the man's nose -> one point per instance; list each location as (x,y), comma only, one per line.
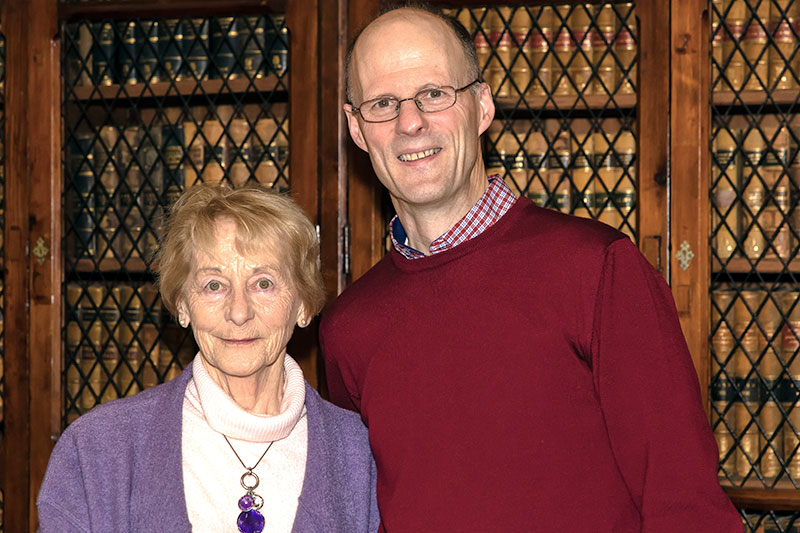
(410,118)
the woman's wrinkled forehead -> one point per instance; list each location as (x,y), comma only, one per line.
(249,240)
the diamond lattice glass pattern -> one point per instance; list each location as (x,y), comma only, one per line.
(150,108)
(564,82)
(754,241)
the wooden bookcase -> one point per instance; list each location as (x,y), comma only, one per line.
(333,181)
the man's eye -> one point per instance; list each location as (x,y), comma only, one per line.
(383,103)
(264,284)
(435,93)
(214,286)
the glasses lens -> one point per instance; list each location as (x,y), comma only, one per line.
(436,99)
(379,109)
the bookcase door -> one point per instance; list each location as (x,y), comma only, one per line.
(566,134)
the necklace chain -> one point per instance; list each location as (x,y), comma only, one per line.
(249,469)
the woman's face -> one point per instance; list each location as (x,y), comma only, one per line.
(242,309)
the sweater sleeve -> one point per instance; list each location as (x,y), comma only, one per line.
(650,398)
(338,391)
(62,502)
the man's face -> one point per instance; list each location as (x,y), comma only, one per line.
(423,159)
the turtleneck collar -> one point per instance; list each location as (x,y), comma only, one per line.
(225,416)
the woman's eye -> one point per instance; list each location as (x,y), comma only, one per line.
(214,286)
(264,284)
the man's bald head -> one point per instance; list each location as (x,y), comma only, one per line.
(449,24)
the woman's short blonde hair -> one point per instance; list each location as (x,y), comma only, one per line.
(263,218)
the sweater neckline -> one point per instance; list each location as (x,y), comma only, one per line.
(494,231)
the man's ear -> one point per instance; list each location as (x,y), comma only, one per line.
(485,106)
(354,127)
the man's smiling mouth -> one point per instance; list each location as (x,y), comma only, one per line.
(418,155)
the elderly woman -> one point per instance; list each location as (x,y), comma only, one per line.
(238,439)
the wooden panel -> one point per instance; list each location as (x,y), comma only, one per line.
(690,176)
(766,500)
(127,9)
(653,133)
(16,437)
(44,164)
(333,163)
(364,207)
(301,19)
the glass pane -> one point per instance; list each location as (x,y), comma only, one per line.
(564,81)
(755,296)
(151,107)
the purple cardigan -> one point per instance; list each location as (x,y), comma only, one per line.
(118,468)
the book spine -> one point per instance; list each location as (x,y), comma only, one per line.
(781,74)
(132,42)
(732,56)
(224,38)
(110,317)
(239,164)
(106,199)
(279,47)
(196,46)
(536,151)
(558,169)
(564,49)
(129,194)
(753,194)
(748,385)
(82,210)
(152,188)
(625,191)
(170,42)
(253,45)
(754,46)
(127,375)
(774,215)
(148,58)
(769,366)
(609,174)
(172,139)
(215,151)
(103,53)
(265,170)
(722,391)
(520,27)
(790,383)
(602,40)
(625,49)
(582,172)
(92,347)
(725,187)
(73,351)
(149,335)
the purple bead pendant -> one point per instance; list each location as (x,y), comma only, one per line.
(250,520)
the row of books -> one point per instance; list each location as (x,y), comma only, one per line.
(586,169)
(771,522)
(755,45)
(755,186)
(121,177)
(114,343)
(149,51)
(755,385)
(558,50)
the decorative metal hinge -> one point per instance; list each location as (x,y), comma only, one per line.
(684,255)
(346,249)
(41,250)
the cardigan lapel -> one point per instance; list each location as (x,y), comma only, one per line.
(317,510)
(160,498)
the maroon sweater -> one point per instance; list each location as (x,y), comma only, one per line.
(534,378)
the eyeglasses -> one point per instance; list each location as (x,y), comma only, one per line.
(431,100)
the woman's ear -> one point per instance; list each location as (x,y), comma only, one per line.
(183,314)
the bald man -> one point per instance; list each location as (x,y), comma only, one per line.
(518,369)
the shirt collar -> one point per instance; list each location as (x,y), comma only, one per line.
(492,205)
